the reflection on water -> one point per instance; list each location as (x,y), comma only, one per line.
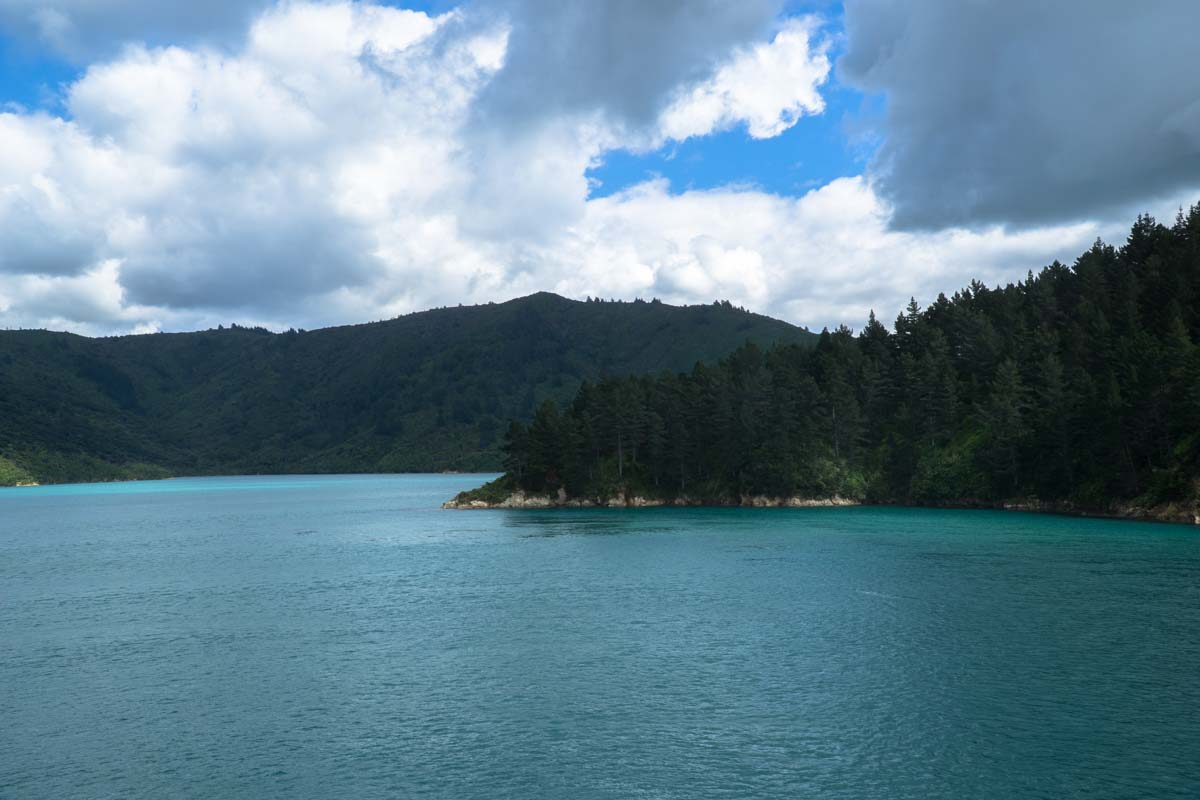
(572,522)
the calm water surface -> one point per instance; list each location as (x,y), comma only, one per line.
(309,637)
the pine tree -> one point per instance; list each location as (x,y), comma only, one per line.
(1004,427)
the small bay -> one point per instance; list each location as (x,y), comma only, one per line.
(343,636)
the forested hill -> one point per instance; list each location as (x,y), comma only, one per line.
(1079,385)
(428,391)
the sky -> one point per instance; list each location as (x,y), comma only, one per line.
(174,166)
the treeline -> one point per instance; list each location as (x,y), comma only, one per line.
(1080,383)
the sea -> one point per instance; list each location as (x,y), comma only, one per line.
(346,637)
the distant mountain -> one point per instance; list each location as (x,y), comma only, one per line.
(428,391)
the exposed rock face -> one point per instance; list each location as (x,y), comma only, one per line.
(518,499)
(1163,513)
(1185,513)
(762,501)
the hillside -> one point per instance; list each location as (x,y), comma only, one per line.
(428,391)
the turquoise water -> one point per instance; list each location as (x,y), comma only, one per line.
(313,637)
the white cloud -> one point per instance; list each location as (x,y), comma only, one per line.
(768,87)
(335,168)
(92,302)
(49,221)
(249,181)
(824,258)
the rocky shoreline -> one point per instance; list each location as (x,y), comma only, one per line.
(1184,514)
(521,499)
(1174,513)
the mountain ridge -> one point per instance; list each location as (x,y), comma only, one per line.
(427,391)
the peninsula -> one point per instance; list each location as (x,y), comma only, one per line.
(1076,390)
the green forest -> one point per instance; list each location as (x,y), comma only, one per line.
(1079,383)
(429,391)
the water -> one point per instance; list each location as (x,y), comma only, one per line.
(311,637)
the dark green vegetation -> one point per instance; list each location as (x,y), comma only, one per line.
(1079,384)
(12,475)
(427,391)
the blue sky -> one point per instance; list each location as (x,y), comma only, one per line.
(301,163)
(807,155)
(811,153)
(30,76)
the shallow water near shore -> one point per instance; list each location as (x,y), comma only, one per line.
(295,637)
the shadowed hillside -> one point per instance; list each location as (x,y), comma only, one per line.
(427,391)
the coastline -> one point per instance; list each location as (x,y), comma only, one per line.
(1180,514)
(174,476)
(521,499)
(1173,513)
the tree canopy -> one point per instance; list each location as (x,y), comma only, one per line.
(1079,383)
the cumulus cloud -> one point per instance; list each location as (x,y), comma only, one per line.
(48,226)
(349,161)
(257,179)
(622,58)
(579,79)
(92,303)
(827,257)
(768,86)
(556,131)
(1028,112)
